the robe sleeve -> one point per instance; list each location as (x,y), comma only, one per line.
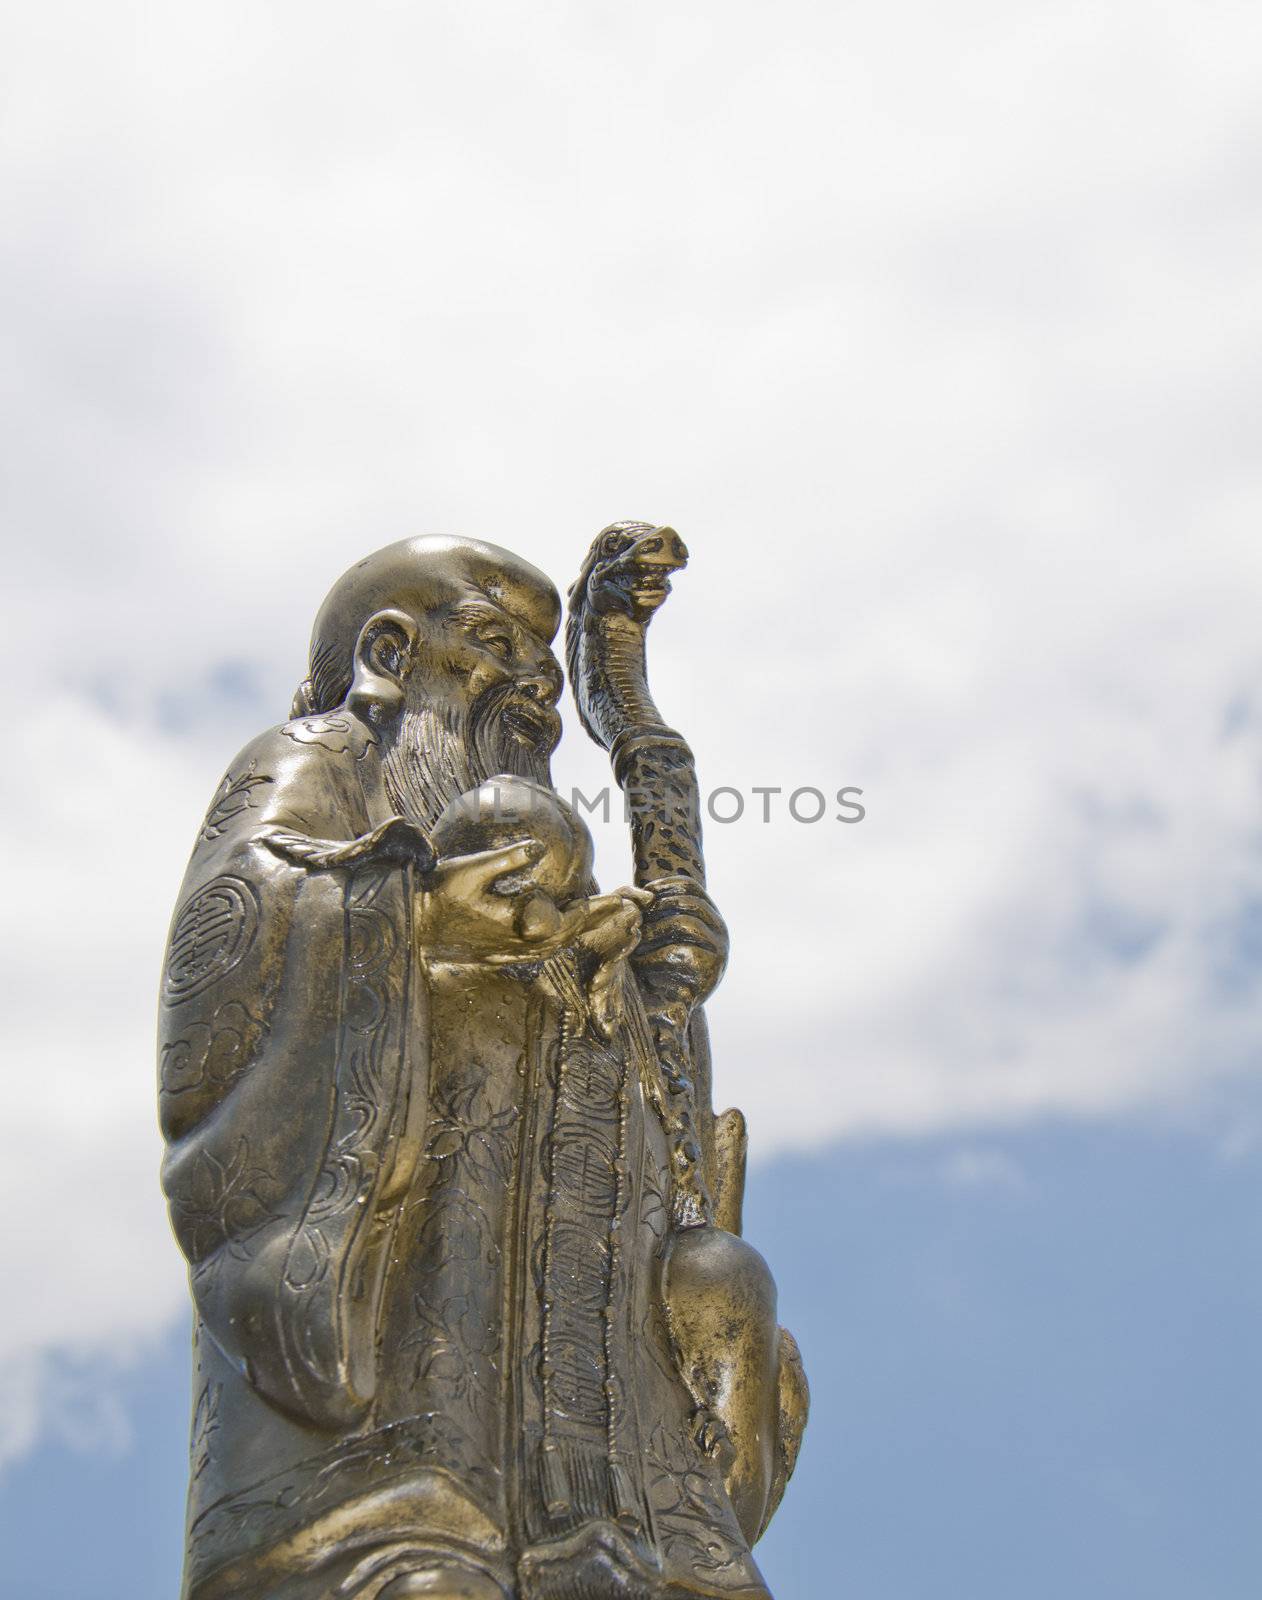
(288,1043)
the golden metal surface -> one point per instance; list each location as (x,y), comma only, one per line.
(474,1319)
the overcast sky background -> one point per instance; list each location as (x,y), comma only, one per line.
(935,330)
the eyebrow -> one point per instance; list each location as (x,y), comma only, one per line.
(471,612)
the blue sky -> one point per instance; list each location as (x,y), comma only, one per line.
(1033,1364)
(935,330)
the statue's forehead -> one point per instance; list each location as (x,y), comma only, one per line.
(469,568)
(428,575)
(533,606)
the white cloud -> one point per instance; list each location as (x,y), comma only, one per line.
(97,819)
(933,329)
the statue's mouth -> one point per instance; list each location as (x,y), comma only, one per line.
(645,583)
(647,567)
(535,724)
(648,586)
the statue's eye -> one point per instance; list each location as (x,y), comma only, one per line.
(499,643)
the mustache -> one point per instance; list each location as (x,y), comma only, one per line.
(505,706)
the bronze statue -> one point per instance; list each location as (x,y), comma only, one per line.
(473,1317)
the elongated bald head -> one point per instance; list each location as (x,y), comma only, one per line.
(444,647)
(420,576)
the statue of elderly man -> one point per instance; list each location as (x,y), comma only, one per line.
(419,1149)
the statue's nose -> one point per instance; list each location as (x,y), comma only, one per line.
(661,548)
(544,684)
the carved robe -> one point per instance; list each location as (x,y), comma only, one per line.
(425,1208)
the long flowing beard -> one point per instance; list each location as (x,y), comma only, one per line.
(438,754)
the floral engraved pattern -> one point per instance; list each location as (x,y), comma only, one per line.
(234,797)
(205,1426)
(654,1209)
(692,1518)
(471,1145)
(257,1515)
(454,1342)
(227,1204)
(462,1126)
(217,1051)
(337,734)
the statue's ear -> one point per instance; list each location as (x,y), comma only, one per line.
(383,659)
(304,702)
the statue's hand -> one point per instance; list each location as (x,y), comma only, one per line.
(683,943)
(608,942)
(484,908)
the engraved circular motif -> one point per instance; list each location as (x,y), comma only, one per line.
(213,929)
(371,940)
(580,1260)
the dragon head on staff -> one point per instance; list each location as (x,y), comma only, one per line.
(628,569)
(624,578)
